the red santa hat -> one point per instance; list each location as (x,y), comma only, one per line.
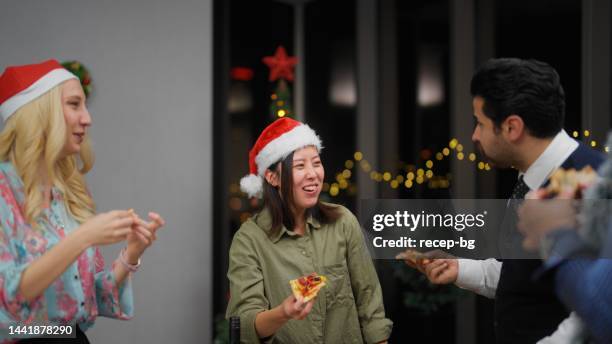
(20,85)
(275,143)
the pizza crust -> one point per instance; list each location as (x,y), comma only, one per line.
(298,290)
(413,255)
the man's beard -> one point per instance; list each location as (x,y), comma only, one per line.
(489,160)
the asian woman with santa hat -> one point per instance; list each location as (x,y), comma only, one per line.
(295,235)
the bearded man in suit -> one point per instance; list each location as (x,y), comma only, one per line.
(519,109)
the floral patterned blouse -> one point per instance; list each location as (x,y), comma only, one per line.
(84,291)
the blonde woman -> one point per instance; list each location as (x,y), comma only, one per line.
(51,271)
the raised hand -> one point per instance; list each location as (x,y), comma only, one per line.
(108,228)
(143,235)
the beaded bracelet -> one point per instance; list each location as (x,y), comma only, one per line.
(124,262)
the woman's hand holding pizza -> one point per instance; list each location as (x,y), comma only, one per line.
(296,308)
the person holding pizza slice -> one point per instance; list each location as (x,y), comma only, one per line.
(299,270)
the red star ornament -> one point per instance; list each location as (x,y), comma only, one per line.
(281,65)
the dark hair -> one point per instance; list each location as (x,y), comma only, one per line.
(279,207)
(528,88)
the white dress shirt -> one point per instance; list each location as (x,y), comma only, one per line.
(482,276)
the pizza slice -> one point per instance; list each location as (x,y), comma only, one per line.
(414,255)
(307,286)
(571,181)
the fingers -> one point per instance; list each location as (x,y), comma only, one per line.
(301,308)
(143,231)
(121,234)
(413,263)
(156,221)
(121,213)
(299,303)
(306,310)
(420,264)
(434,264)
(408,261)
(294,307)
(438,254)
(150,234)
(441,271)
(123,222)
(143,239)
(140,222)
(157,218)
(438,270)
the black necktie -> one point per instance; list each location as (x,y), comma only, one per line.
(511,238)
(520,189)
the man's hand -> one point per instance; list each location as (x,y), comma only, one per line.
(438,266)
(442,271)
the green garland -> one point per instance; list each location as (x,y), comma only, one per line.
(77,68)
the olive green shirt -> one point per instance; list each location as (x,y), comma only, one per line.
(349,309)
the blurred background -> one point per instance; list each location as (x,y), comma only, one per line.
(180,91)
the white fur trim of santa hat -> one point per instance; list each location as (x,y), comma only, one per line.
(37,89)
(277,149)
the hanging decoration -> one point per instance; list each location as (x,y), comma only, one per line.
(240,98)
(281,71)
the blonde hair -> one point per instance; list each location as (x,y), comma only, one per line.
(33,139)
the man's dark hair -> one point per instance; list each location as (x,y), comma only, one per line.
(528,88)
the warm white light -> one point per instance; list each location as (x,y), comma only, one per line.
(342,90)
(430,80)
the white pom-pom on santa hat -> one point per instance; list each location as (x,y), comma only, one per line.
(252,185)
(275,143)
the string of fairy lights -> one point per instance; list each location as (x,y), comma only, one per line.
(413,175)
(587,134)
(410,175)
